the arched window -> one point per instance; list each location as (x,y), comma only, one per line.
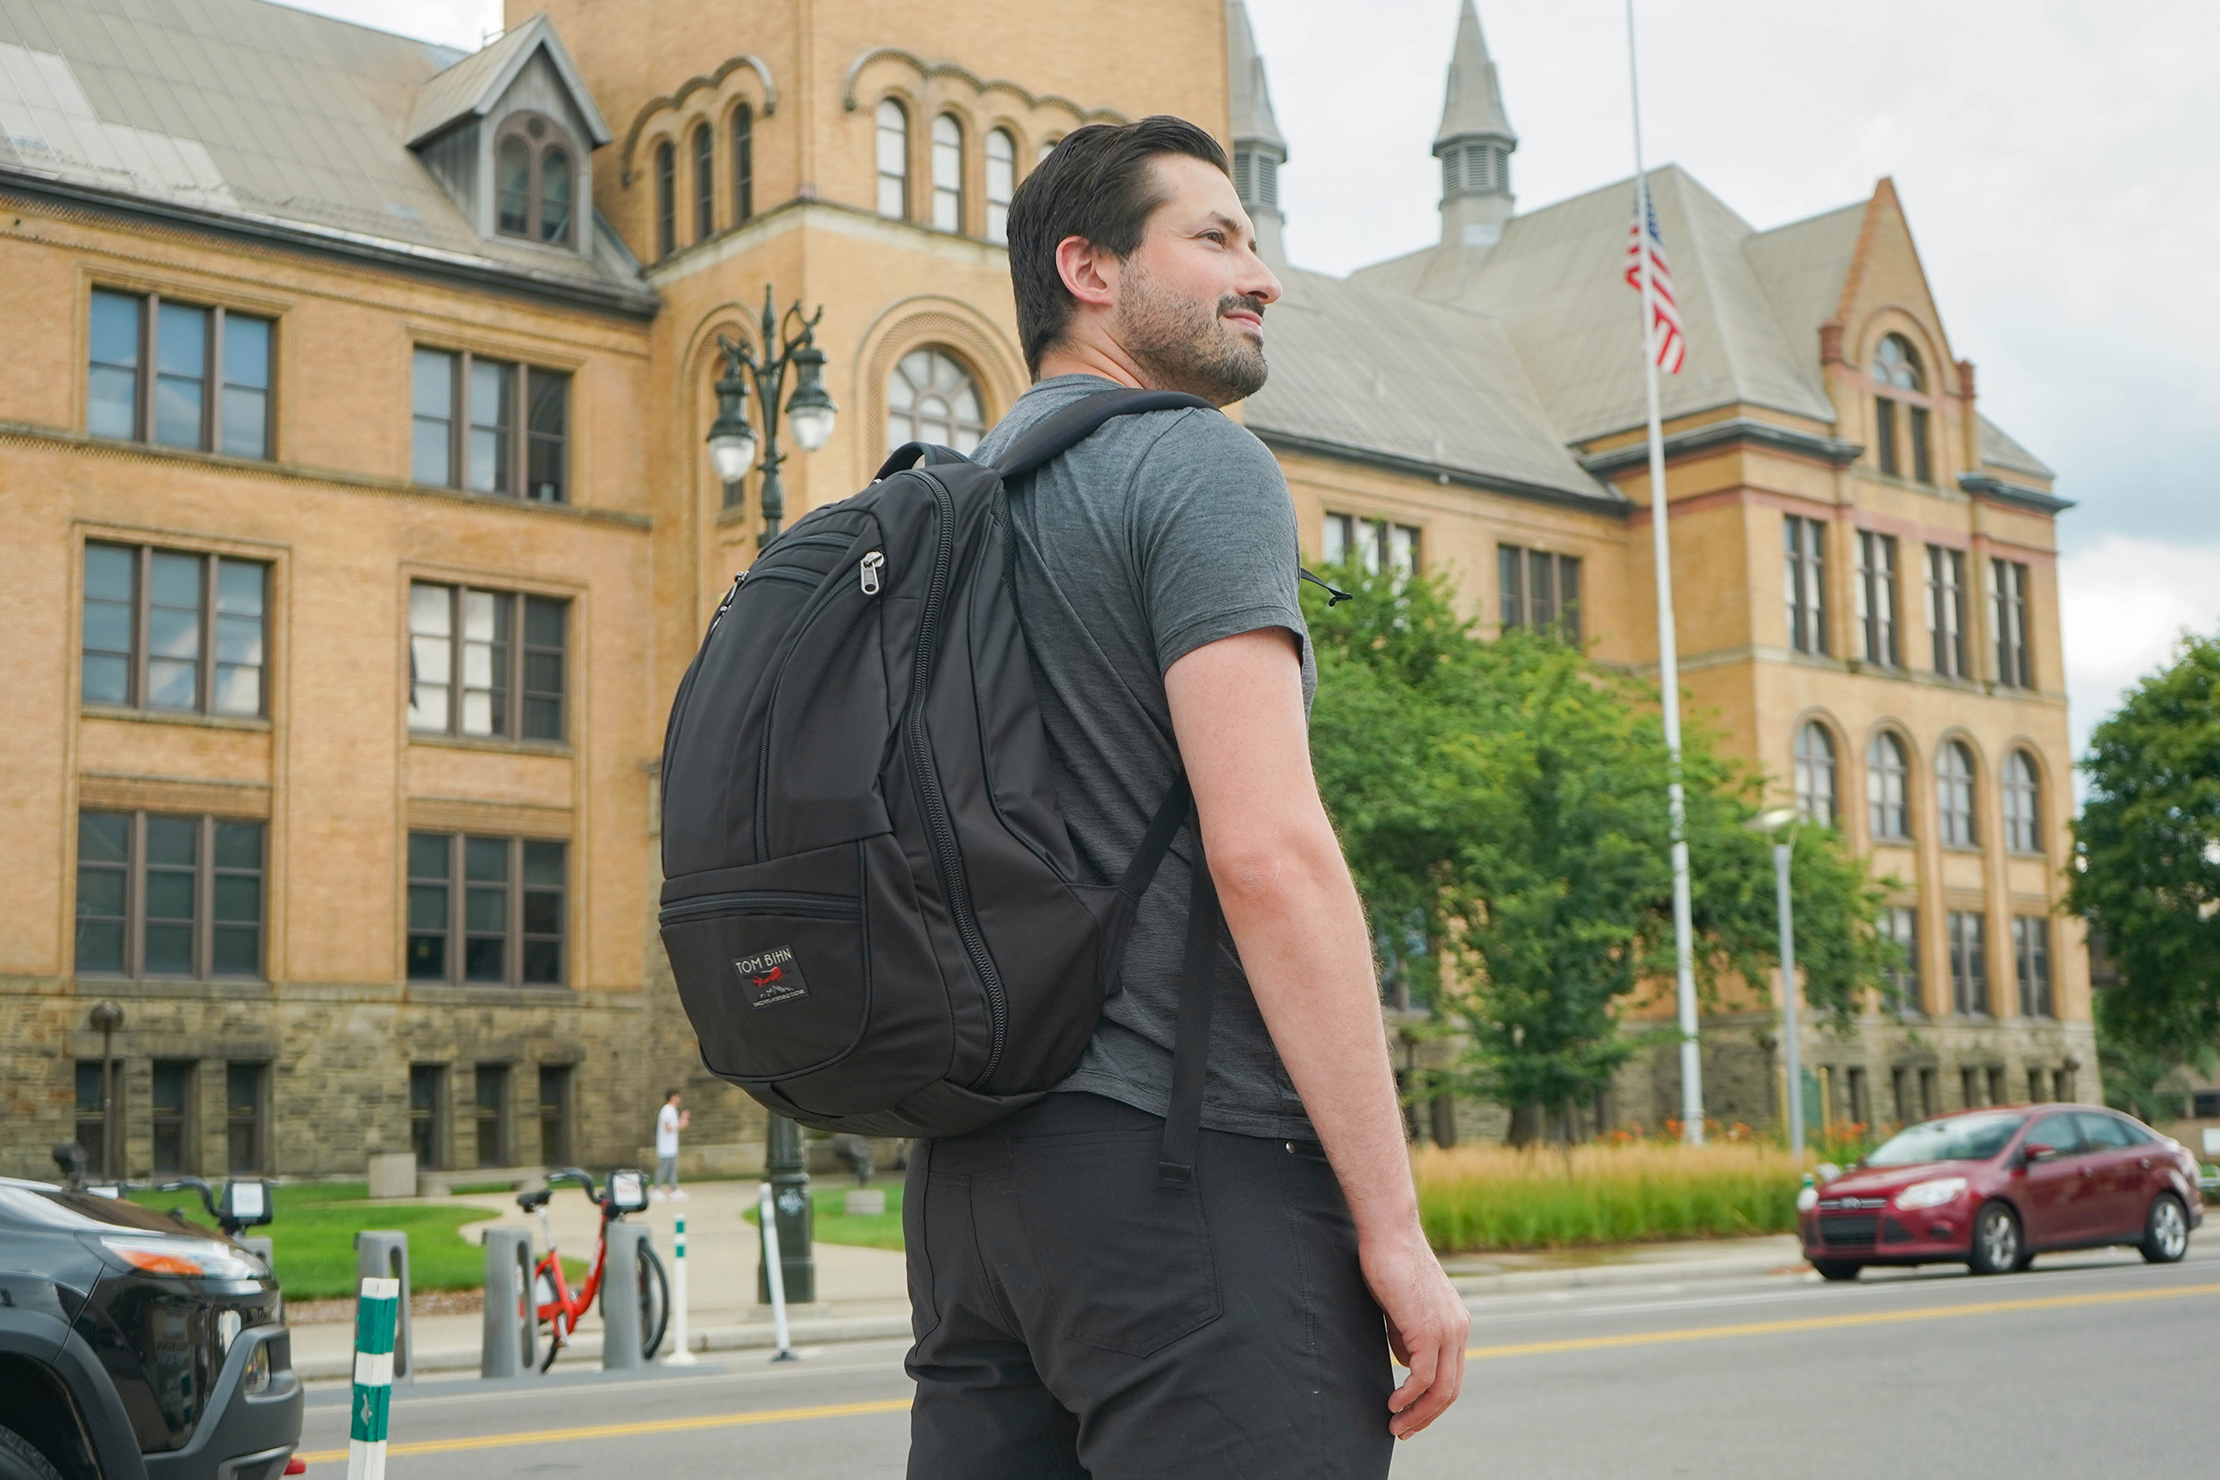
(1896,368)
(666,200)
(1887,788)
(1001,183)
(1815,774)
(743,164)
(894,160)
(1048,147)
(534,185)
(948,173)
(2023,804)
(705,183)
(931,397)
(1954,795)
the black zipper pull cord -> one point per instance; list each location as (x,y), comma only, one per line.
(1334,598)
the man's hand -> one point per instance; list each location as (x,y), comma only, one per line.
(1427,1326)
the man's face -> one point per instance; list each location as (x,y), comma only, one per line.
(1191,298)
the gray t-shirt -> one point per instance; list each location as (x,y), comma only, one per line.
(1161,533)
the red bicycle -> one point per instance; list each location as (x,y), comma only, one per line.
(558,1307)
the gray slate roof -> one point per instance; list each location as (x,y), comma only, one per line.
(253,113)
(1999,450)
(1384,373)
(471,87)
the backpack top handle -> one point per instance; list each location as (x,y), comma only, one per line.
(1062,430)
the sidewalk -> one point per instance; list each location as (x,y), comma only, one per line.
(1626,1264)
(863,1294)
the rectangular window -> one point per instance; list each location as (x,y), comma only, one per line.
(1884,434)
(487,910)
(1946,608)
(2037,1086)
(1804,582)
(490,1113)
(1877,598)
(1900,925)
(166,629)
(1923,468)
(173,1103)
(179,374)
(1540,590)
(1861,1110)
(246,1117)
(554,1115)
(2031,960)
(1995,1074)
(743,164)
(1969,1087)
(2015,662)
(91,1126)
(466,430)
(2204,1105)
(428,1115)
(468,671)
(168,896)
(1929,1099)
(1969,963)
(1379,544)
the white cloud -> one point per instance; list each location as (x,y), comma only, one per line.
(458,23)
(2127,602)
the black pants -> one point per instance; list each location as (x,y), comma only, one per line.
(1075,1319)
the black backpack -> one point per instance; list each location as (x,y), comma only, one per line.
(871,903)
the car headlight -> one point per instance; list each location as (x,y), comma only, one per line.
(185,1258)
(257,1376)
(1807,1199)
(1931,1194)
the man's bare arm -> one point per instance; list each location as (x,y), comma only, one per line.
(1237,708)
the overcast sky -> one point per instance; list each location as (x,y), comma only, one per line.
(2060,163)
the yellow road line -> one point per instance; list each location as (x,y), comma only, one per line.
(1478,1353)
(1830,1323)
(622,1430)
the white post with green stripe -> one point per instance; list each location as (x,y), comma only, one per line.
(377,1314)
(682,1353)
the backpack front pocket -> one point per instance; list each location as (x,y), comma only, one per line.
(777,983)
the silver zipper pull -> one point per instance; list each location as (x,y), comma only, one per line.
(870,572)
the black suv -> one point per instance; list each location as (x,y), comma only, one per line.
(135,1346)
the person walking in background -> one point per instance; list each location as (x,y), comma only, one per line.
(669,1121)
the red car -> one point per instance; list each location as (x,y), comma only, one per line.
(1994,1188)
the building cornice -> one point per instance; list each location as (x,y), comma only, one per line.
(434,263)
(1599,502)
(1712,434)
(1988,486)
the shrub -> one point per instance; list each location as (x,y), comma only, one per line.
(1492,1197)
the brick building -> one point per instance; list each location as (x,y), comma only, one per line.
(352,448)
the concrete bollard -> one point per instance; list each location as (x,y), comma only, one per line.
(383,1254)
(620,1297)
(510,1344)
(682,1352)
(376,1316)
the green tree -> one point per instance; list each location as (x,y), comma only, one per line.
(1502,804)
(2147,875)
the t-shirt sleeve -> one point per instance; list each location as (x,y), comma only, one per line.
(1213,533)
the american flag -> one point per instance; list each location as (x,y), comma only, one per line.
(1672,347)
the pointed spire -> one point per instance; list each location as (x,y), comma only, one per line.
(1258,149)
(1473,107)
(1474,143)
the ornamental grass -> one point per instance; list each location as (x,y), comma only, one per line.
(1475,1198)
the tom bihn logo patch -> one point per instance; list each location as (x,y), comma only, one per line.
(771,977)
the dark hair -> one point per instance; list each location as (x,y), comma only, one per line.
(667,1095)
(1096,185)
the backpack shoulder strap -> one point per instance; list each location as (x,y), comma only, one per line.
(1067,428)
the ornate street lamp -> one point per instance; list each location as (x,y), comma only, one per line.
(1780,825)
(809,411)
(106,1018)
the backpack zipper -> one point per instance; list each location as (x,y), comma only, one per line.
(769,902)
(948,860)
(869,572)
(795,574)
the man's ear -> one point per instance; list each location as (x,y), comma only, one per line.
(1090,274)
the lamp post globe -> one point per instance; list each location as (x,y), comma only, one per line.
(810,411)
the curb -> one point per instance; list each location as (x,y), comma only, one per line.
(1603,1276)
(810,1331)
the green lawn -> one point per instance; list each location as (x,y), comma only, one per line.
(313,1237)
(832,1226)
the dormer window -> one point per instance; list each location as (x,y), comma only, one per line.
(1896,369)
(534,181)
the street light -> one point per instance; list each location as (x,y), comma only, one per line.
(810,411)
(1782,821)
(106,1018)
(788,1175)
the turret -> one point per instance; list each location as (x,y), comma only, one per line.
(1258,149)
(1474,143)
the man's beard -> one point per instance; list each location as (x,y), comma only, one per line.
(1185,346)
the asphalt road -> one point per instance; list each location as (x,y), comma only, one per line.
(2089,1365)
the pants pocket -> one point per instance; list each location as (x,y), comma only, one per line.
(916,1243)
(1127,1262)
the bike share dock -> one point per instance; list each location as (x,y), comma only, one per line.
(863,1292)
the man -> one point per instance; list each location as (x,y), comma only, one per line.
(669,1121)
(1073,1317)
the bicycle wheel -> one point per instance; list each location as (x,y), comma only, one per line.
(655,1302)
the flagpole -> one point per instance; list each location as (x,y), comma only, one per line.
(1668,649)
